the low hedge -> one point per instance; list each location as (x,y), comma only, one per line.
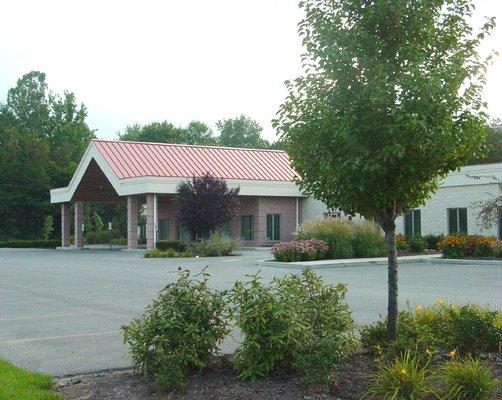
(27,244)
(171,244)
(458,246)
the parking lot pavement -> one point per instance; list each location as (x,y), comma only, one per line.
(61,312)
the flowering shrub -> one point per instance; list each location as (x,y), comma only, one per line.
(456,246)
(300,250)
(470,329)
(401,242)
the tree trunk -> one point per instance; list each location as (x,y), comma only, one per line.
(392,310)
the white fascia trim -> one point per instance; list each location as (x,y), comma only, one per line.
(62,195)
(160,185)
(473,175)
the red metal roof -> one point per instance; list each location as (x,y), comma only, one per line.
(138,159)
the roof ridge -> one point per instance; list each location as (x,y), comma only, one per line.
(189,145)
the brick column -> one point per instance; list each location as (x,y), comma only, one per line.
(65,225)
(261,223)
(132,222)
(150,221)
(79,219)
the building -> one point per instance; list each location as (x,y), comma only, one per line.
(455,206)
(141,173)
(271,205)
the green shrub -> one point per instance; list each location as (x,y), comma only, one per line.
(217,245)
(346,239)
(296,322)
(466,379)
(120,241)
(171,244)
(497,249)
(36,244)
(179,333)
(101,237)
(169,253)
(433,240)
(469,328)
(300,250)
(407,377)
(402,242)
(417,244)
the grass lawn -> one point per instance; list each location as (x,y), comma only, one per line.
(17,383)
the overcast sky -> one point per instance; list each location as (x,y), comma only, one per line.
(175,60)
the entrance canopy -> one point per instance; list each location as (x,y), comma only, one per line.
(111,169)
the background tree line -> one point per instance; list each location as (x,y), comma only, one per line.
(43,136)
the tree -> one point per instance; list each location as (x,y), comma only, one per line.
(493,144)
(43,137)
(490,210)
(206,203)
(195,132)
(390,103)
(241,132)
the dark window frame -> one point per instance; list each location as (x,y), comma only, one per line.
(457,220)
(247,238)
(415,219)
(274,227)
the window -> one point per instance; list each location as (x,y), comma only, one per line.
(182,234)
(247,227)
(273,226)
(457,220)
(413,223)
(165,227)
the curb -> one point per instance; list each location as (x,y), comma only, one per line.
(340,264)
(461,261)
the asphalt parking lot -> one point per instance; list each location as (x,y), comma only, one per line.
(61,312)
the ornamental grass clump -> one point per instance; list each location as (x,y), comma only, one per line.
(300,250)
(466,379)
(406,377)
(345,238)
(179,333)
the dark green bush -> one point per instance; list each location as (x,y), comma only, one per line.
(468,328)
(179,333)
(169,253)
(171,244)
(296,322)
(433,240)
(417,244)
(101,237)
(38,244)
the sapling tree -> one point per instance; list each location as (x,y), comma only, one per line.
(205,203)
(389,104)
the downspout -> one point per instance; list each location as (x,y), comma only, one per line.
(297,213)
(154,220)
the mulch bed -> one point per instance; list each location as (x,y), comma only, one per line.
(219,382)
